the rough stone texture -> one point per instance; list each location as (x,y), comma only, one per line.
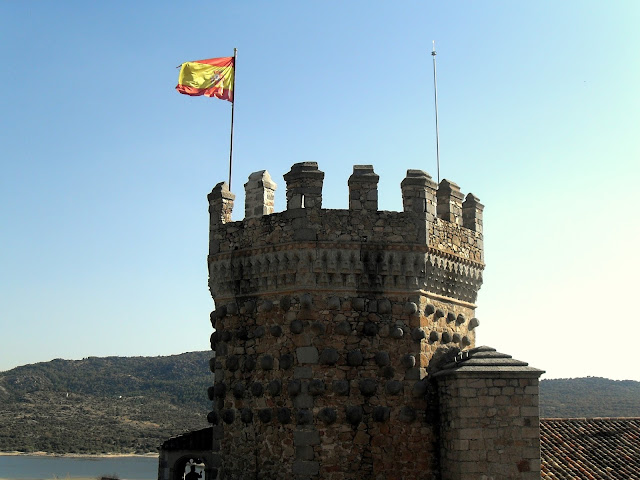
(345,315)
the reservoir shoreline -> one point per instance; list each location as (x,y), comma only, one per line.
(78,455)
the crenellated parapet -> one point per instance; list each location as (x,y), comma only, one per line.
(433,246)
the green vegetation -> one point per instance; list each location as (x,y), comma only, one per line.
(103,405)
(131,405)
(589,397)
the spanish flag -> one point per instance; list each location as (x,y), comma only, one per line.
(211,78)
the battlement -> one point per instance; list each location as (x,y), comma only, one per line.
(420,194)
(435,244)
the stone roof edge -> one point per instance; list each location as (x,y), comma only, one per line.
(561,419)
(485,360)
(472,371)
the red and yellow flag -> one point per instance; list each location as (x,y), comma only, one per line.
(211,78)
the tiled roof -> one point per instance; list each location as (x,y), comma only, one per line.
(590,448)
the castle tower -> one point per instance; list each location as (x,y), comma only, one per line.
(328,324)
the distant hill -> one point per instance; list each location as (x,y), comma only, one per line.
(131,405)
(589,397)
(103,405)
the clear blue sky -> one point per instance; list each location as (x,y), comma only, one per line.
(105,168)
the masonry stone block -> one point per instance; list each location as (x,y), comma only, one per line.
(397,332)
(246,415)
(329,356)
(341,387)
(274,387)
(393,387)
(343,328)
(228,415)
(304,372)
(307,355)
(382,359)
(370,329)
(301,467)
(354,358)
(304,453)
(284,415)
(354,414)
(213,417)
(304,438)
(327,415)
(257,389)
(294,387)
(381,413)
(408,360)
(368,386)
(417,334)
(304,416)
(286,361)
(316,387)
(266,362)
(265,415)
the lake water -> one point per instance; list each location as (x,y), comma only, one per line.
(46,468)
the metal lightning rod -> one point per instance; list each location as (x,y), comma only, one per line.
(435,91)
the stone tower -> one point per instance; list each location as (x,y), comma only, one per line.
(330,325)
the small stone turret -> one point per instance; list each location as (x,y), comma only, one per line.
(489,419)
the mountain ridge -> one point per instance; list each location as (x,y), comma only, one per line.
(125,405)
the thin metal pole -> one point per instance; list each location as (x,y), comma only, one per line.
(233,104)
(435,91)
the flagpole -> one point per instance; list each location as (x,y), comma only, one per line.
(435,91)
(233,104)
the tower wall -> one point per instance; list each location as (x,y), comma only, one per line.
(328,324)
